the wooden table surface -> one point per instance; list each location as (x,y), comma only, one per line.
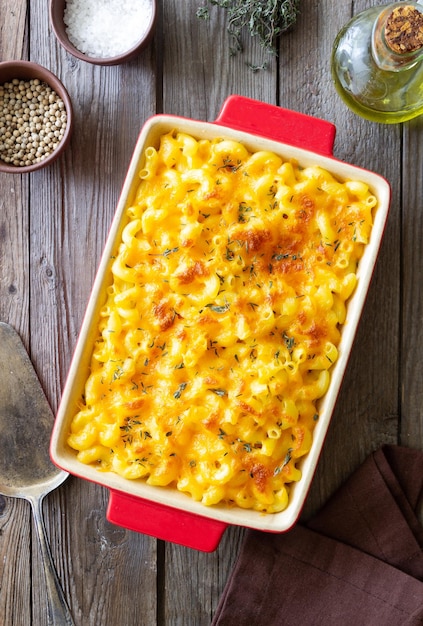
(53,225)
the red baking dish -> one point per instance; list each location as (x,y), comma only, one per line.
(164,512)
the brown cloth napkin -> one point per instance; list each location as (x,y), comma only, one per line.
(358,562)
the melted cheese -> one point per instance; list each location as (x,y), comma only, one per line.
(222,321)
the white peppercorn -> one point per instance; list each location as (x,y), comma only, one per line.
(27,108)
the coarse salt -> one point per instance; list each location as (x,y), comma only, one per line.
(106,28)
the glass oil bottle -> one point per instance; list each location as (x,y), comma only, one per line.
(377,62)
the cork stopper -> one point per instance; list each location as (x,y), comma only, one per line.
(404,29)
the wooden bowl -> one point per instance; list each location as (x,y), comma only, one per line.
(57,14)
(25,71)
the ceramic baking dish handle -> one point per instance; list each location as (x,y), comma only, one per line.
(164,522)
(278,124)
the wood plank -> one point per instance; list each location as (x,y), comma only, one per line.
(199,73)
(195,580)
(13,20)
(411,351)
(15,555)
(14,208)
(15,515)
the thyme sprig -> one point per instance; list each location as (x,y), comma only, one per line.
(264,19)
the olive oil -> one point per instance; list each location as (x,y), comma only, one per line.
(377,82)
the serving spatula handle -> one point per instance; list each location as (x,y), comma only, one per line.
(58,610)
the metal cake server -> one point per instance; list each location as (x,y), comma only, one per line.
(26,471)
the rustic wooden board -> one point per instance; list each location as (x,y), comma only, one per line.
(53,225)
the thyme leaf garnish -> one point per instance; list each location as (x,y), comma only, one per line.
(219,392)
(288,341)
(219,308)
(179,391)
(265,20)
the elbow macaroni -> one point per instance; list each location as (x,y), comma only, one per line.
(222,321)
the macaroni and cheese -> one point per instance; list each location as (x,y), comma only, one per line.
(222,321)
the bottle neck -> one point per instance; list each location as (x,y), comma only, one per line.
(397,36)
